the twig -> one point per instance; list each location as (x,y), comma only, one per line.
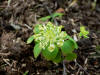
(35,19)
(81,67)
(15,26)
(5,54)
(9,1)
(64,68)
(6,61)
(85,62)
(78,71)
(28,26)
(94,57)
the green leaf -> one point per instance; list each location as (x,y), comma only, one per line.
(26,73)
(53,15)
(75,44)
(50,55)
(71,39)
(37,50)
(45,18)
(36,29)
(67,47)
(71,56)
(58,58)
(80,34)
(57,14)
(30,39)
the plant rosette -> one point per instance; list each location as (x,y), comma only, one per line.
(53,43)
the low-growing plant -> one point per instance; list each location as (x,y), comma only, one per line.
(53,43)
(83,32)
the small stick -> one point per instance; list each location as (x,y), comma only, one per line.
(28,26)
(6,61)
(64,68)
(81,67)
(78,71)
(9,1)
(5,54)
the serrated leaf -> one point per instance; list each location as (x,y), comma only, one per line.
(37,50)
(71,56)
(57,58)
(30,39)
(50,55)
(67,47)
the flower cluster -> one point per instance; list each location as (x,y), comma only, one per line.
(49,36)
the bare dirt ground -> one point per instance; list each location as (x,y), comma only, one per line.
(17,19)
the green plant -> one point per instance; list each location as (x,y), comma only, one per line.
(83,32)
(50,17)
(26,73)
(52,43)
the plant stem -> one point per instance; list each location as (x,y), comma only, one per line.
(81,67)
(64,68)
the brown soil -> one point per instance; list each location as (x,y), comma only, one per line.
(17,19)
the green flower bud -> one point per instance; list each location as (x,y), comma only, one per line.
(62,34)
(51,47)
(60,43)
(41,28)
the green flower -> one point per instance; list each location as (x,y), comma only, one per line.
(49,33)
(60,43)
(51,47)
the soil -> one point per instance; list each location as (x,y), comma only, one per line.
(17,20)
